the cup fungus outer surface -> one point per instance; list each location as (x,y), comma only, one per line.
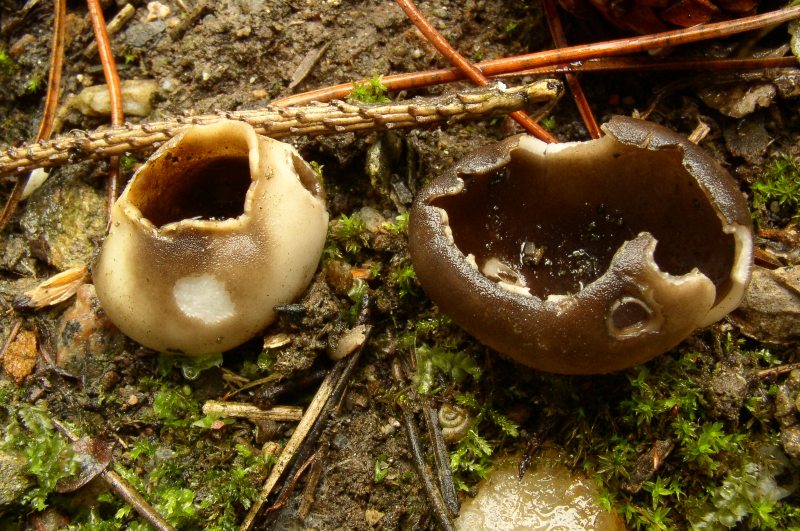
(215,229)
(587,257)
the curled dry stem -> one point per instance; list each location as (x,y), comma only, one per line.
(278,122)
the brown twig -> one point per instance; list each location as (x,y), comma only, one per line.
(440,509)
(56,67)
(772,372)
(124,489)
(584,52)
(114,89)
(640,64)
(50,103)
(467,68)
(441,458)
(560,41)
(279,122)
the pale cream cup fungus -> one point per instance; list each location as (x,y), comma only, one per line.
(584,257)
(214,230)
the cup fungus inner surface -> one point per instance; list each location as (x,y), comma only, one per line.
(549,226)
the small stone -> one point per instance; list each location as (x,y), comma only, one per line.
(770,311)
(390,427)
(348,342)
(785,405)
(790,439)
(157,11)
(109,380)
(373,516)
(728,390)
(13,479)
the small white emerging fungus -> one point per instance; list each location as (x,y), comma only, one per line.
(218,227)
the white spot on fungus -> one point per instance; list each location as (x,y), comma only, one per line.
(203,297)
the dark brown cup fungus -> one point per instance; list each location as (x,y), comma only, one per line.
(214,230)
(587,257)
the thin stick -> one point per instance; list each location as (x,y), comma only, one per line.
(440,510)
(467,68)
(278,122)
(776,371)
(12,334)
(56,67)
(50,103)
(640,64)
(560,41)
(124,489)
(584,52)
(441,457)
(309,443)
(114,89)
(284,460)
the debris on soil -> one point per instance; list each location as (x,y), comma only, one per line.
(770,311)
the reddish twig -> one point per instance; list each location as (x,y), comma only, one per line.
(560,41)
(50,102)
(640,64)
(114,89)
(54,76)
(584,52)
(461,62)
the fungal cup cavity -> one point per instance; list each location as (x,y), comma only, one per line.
(584,257)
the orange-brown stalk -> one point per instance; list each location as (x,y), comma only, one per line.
(560,41)
(114,90)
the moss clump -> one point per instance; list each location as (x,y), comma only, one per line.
(371,91)
(49,457)
(776,196)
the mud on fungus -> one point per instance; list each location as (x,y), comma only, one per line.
(584,257)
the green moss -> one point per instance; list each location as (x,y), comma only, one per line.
(7,64)
(399,225)
(371,91)
(175,407)
(455,366)
(777,193)
(34,84)
(49,456)
(348,233)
